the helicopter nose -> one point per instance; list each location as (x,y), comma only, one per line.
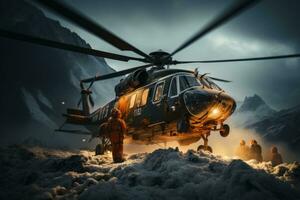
(198,102)
(214,104)
(226,105)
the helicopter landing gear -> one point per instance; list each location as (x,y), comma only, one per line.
(104,146)
(205,146)
(224,132)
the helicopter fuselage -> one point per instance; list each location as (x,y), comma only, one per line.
(174,106)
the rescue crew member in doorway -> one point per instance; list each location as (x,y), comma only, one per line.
(116,128)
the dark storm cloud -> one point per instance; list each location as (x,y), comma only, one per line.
(269,28)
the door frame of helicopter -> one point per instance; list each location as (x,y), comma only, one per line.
(173,100)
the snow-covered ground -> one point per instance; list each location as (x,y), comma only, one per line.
(39,173)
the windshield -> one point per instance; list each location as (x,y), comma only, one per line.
(188,81)
(196,101)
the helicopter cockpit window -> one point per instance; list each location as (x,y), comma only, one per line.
(184,84)
(132,100)
(159,91)
(173,87)
(145,97)
(193,81)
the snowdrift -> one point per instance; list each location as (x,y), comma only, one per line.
(38,173)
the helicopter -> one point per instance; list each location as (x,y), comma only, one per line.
(158,104)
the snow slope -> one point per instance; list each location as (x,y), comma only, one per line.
(37,173)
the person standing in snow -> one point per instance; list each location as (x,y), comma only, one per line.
(255,151)
(116,128)
(243,150)
(276,158)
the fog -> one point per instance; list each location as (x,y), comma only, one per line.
(221,146)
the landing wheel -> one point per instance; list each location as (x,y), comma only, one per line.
(205,148)
(225,130)
(99,150)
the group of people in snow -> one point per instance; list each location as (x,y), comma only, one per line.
(254,151)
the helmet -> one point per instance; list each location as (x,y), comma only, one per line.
(274,149)
(253,142)
(115,113)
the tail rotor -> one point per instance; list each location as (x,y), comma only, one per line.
(86,99)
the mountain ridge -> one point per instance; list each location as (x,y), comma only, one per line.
(274,126)
(37,89)
(256,104)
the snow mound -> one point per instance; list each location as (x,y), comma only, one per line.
(37,173)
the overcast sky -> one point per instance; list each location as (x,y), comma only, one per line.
(269,28)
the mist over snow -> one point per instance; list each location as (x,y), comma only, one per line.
(38,173)
(256,119)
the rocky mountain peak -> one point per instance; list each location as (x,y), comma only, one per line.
(251,103)
(256,104)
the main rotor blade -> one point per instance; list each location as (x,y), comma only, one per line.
(69,47)
(115,74)
(234,10)
(89,25)
(213,78)
(218,79)
(238,60)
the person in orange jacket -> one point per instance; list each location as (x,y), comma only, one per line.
(255,151)
(116,128)
(243,150)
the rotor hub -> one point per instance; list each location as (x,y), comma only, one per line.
(160,57)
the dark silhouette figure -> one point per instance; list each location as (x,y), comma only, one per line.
(255,151)
(116,128)
(276,157)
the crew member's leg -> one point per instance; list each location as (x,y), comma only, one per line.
(117,151)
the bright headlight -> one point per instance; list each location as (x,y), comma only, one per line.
(215,113)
